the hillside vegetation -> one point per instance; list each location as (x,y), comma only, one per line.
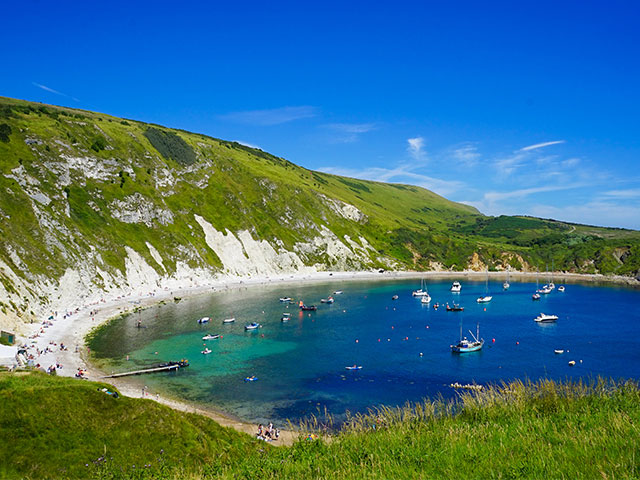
(65,428)
(95,205)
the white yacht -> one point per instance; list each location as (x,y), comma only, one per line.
(456,287)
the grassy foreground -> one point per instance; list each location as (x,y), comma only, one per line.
(63,428)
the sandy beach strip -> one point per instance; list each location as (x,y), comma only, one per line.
(44,343)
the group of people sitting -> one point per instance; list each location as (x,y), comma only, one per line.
(82,373)
(267,433)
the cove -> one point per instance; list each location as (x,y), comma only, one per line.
(402,345)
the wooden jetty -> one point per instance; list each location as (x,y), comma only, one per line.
(161,368)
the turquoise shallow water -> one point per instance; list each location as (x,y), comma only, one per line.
(300,365)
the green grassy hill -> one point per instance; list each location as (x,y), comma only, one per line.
(109,204)
(55,427)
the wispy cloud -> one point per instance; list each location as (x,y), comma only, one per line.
(416,147)
(274,116)
(400,174)
(467,155)
(541,145)
(247,144)
(623,194)
(597,212)
(348,132)
(51,90)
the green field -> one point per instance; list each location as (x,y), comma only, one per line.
(65,428)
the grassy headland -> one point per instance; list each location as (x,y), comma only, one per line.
(64,428)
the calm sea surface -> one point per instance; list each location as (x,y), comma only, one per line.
(402,346)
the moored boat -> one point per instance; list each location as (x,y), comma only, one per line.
(485,299)
(229,320)
(466,346)
(395,297)
(456,287)
(561,288)
(204,320)
(285,317)
(422,291)
(286,299)
(206,351)
(211,336)
(535,296)
(354,367)
(558,351)
(252,326)
(544,318)
(252,378)
(455,308)
(327,300)
(426,299)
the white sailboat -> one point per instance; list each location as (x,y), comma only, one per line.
(486,298)
(422,291)
(506,284)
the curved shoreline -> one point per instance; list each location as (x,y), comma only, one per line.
(72,329)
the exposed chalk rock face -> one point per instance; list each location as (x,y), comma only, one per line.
(344,209)
(243,255)
(337,254)
(156,256)
(79,169)
(138,209)
(138,271)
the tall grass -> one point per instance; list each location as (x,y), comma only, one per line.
(539,429)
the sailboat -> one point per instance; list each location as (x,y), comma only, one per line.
(422,292)
(465,346)
(506,284)
(486,298)
(536,294)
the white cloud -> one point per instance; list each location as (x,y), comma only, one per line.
(247,144)
(51,90)
(348,132)
(416,147)
(467,155)
(274,116)
(628,193)
(400,174)
(597,212)
(541,145)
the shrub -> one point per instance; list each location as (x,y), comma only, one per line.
(171,146)
(99,143)
(5,131)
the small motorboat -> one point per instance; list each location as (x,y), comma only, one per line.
(210,336)
(455,308)
(206,351)
(308,308)
(561,288)
(456,287)
(338,292)
(395,297)
(286,299)
(354,367)
(426,299)
(285,317)
(229,320)
(252,378)
(327,300)
(543,318)
(252,326)
(204,320)
(558,351)
(572,363)
(535,296)
(485,299)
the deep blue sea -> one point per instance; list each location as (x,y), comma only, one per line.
(402,345)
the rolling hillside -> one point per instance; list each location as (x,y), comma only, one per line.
(94,206)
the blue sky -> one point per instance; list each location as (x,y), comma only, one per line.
(514,107)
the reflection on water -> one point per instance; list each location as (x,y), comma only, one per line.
(402,345)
